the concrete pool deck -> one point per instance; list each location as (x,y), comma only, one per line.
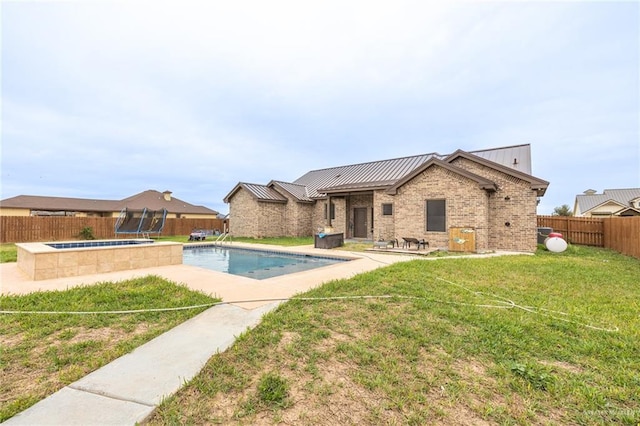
(128,390)
(229,288)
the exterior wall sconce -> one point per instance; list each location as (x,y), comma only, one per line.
(507,198)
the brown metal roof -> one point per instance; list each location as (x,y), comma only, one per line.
(538,184)
(483,182)
(299,192)
(517,157)
(358,175)
(363,176)
(259,192)
(515,160)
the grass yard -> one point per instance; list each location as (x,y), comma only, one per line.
(8,253)
(544,339)
(43,353)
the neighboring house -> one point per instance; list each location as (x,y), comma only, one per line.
(612,202)
(487,196)
(32,205)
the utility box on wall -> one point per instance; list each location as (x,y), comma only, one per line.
(462,239)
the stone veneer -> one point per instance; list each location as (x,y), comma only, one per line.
(42,262)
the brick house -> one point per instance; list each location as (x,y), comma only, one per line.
(485,200)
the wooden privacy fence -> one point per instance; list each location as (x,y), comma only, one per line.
(585,231)
(23,229)
(621,234)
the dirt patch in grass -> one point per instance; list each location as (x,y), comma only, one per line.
(563,366)
(43,353)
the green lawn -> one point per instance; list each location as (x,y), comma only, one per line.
(544,339)
(42,353)
(8,253)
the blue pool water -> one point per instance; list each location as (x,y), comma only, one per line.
(256,264)
(108,243)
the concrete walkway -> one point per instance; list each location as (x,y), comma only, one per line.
(128,390)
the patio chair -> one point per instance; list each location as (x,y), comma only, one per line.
(408,241)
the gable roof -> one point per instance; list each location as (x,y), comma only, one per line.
(482,182)
(537,184)
(516,157)
(153,200)
(297,191)
(590,200)
(257,191)
(357,176)
(514,160)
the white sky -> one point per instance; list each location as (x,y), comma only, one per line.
(104,99)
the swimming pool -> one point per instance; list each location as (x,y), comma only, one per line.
(256,264)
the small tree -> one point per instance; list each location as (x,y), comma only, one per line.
(563,210)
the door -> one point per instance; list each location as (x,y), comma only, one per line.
(360,222)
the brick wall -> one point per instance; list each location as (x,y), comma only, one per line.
(339,223)
(250,218)
(466,206)
(384,226)
(298,219)
(504,220)
(514,204)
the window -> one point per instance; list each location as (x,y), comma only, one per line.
(333,211)
(436,215)
(387,209)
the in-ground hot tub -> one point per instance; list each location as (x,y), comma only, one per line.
(43,261)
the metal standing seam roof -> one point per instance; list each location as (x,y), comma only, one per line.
(378,174)
(263,192)
(587,202)
(517,157)
(299,192)
(387,172)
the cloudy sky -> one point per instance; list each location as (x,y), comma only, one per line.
(104,99)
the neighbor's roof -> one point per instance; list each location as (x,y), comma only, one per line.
(36,202)
(153,200)
(586,202)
